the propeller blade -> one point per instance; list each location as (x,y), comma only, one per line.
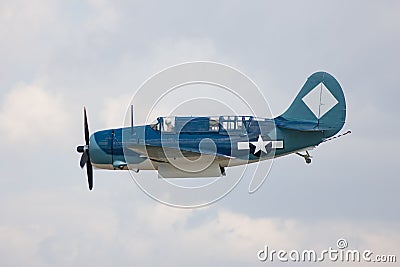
(86,126)
(84,159)
(89,170)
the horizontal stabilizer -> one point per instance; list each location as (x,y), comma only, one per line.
(305,126)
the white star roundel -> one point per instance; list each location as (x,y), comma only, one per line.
(260,145)
(320,100)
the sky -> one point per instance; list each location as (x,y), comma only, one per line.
(56,56)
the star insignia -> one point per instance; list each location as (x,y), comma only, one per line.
(260,145)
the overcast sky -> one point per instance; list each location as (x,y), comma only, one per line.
(56,56)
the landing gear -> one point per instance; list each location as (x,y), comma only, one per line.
(307,157)
(222,169)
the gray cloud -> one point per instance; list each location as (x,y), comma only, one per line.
(58,56)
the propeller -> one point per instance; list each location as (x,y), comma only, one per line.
(85,159)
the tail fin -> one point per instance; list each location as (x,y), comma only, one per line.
(319,106)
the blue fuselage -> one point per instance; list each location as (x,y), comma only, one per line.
(111,148)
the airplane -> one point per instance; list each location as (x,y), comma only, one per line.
(315,116)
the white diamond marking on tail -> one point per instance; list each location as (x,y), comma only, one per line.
(320,100)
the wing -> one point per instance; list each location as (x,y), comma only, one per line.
(183,163)
(165,154)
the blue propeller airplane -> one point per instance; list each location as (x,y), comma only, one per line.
(205,146)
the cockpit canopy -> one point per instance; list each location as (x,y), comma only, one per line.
(203,124)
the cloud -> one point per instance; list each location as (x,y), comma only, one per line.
(174,51)
(33,15)
(162,55)
(29,114)
(230,238)
(69,227)
(114,110)
(29,31)
(105,15)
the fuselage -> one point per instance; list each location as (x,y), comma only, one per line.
(235,140)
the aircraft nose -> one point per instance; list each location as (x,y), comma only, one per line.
(98,149)
(92,143)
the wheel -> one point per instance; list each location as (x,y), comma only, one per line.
(308,160)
